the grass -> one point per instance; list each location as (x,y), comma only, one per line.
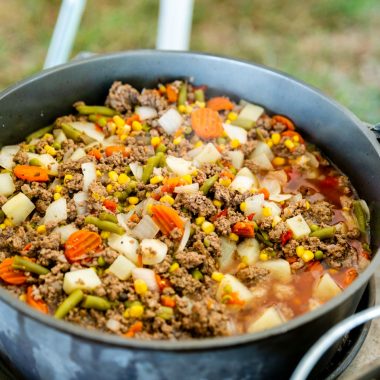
(332,45)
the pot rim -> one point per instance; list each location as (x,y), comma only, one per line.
(193,344)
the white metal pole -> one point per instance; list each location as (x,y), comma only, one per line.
(174,24)
(65,31)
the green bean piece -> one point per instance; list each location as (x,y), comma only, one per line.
(182,95)
(35,162)
(128,190)
(145,127)
(109,217)
(31,148)
(161,148)
(39,133)
(69,303)
(319,255)
(29,266)
(197,274)
(243,123)
(324,233)
(56,145)
(101,261)
(100,110)
(165,312)
(263,240)
(208,184)
(314,227)
(71,133)
(260,135)
(151,163)
(360,215)
(98,119)
(104,225)
(199,95)
(94,302)
(2,216)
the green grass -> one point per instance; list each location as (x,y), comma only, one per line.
(331,44)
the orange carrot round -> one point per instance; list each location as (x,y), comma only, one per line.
(9,274)
(171,93)
(136,327)
(166,218)
(80,244)
(206,123)
(39,305)
(284,120)
(110,150)
(31,173)
(243,229)
(220,103)
(95,153)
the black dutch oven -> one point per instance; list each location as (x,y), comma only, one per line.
(41,347)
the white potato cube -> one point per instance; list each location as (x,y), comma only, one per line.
(298,226)
(18,208)
(263,148)
(56,211)
(279,269)
(171,120)
(241,184)
(179,166)
(7,186)
(153,251)
(227,248)
(270,318)
(235,133)
(84,279)
(237,158)
(124,244)
(236,286)
(208,154)
(122,267)
(249,249)
(326,288)
(66,231)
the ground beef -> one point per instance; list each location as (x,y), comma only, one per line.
(223,224)
(252,166)
(196,203)
(321,212)
(122,97)
(189,260)
(152,98)
(184,283)
(252,275)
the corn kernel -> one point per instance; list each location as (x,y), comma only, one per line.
(58,188)
(156,179)
(41,229)
(207,227)
(345,209)
(227,122)
(56,196)
(167,199)
(217,203)
(198,144)
(118,121)
(276,138)
(232,116)
(109,188)
(22,297)
(189,109)
(173,267)
(105,234)
(48,136)
(241,265)
(217,276)
(2,226)
(50,150)
(307,256)
(269,143)
(200,104)
(278,161)
(140,286)
(243,206)
(263,256)
(136,311)
(296,138)
(267,211)
(8,222)
(123,179)
(133,200)
(300,250)
(98,173)
(96,196)
(227,289)
(187,178)
(199,220)
(182,108)
(123,137)
(289,144)
(136,125)
(235,143)
(307,205)
(68,177)
(113,176)
(155,141)
(233,237)
(225,182)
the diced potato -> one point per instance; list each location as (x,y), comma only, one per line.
(235,133)
(122,267)
(237,158)
(263,148)
(227,248)
(275,209)
(124,244)
(153,251)
(326,288)
(241,183)
(148,276)
(66,231)
(56,211)
(254,205)
(84,279)
(245,172)
(6,156)
(171,120)
(90,130)
(236,286)
(270,318)
(249,251)
(298,226)
(208,154)
(179,166)
(7,186)
(279,269)
(249,115)
(262,161)
(78,154)
(18,208)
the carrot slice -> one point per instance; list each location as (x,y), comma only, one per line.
(39,305)
(136,327)
(133,118)
(110,205)
(162,282)
(220,103)
(9,274)
(95,153)
(110,150)
(171,183)
(166,218)
(292,134)
(172,93)
(284,120)
(31,173)
(265,192)
(168,301)
(206,123)
(243,229)
(80,244)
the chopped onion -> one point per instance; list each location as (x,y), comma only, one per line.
(56,212)
(80,200)
(157,171)
(145,229)
(153,251)
(112,140)
(187,189)
(123,219)
(209,153)
(7,186)
(262,148)
(280,197)
(146,112)
(262,161)
(137,170)
(170,121)
(235,133)
(147,275)
(278,175)
(78,154)
(312,159)
(275,209)
(271,185)
(193,152)
(89,129)
(113,325)
(179,166)
(237,158)
(246,173)
(89,174)
(6,156)
(227,249)
(18,208)
(241,184)
(185,236)
(65,231)
(254,205)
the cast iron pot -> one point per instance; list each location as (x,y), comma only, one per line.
(41,347)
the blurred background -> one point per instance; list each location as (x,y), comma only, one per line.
(331,44)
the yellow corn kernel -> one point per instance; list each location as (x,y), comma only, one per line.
(167,199)
(50,150)
(227,122)
(217,276)
(113,176)
(58,188)
(149,207)
(162,88)
(199,220)
(156,179)
(289,144)
(2,226)
(243,206)
(217,203)
(207,227)
(307,256)
(182,108)
(267,211)
(123,137)
(118,121)
(96,196)
(48,135)
(177,140)
(130,207)
(187,178)
(123,179)
(263,256)
(189,109)
(276,138)
(232,116)
(109,188)
(155,141)
(225,181)
(235,143)
(307,205)
(136,311)
(56,196)
(276,220)
(198,144)
(241,265)
(41,229)
(140,286)
(105,234)
(68,177)
(345,208)
(200,104)
(194,173)
(296,138)
(300,250)
(233,236)
(173,267)
(278,161)
(98,173)
(227,289)
(133,200)
(8,222)
(136,125)
(22,297)
(269,143)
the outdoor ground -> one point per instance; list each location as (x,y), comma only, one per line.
(331,44)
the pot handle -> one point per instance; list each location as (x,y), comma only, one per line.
(308,362)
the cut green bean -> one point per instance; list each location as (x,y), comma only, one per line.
(197,274)
(100,120)
(360,215)
(182,95)
(94,302)
(69,303)
(151,163)
(263,240)
(165,312)
(104,225)
(161,148)
(100,110)
(101,261)
(324,233)
(260,135)
(208,184)
(199,95)
(35,162)
(29,266)
(71,133)
(108,217)
(39,133)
